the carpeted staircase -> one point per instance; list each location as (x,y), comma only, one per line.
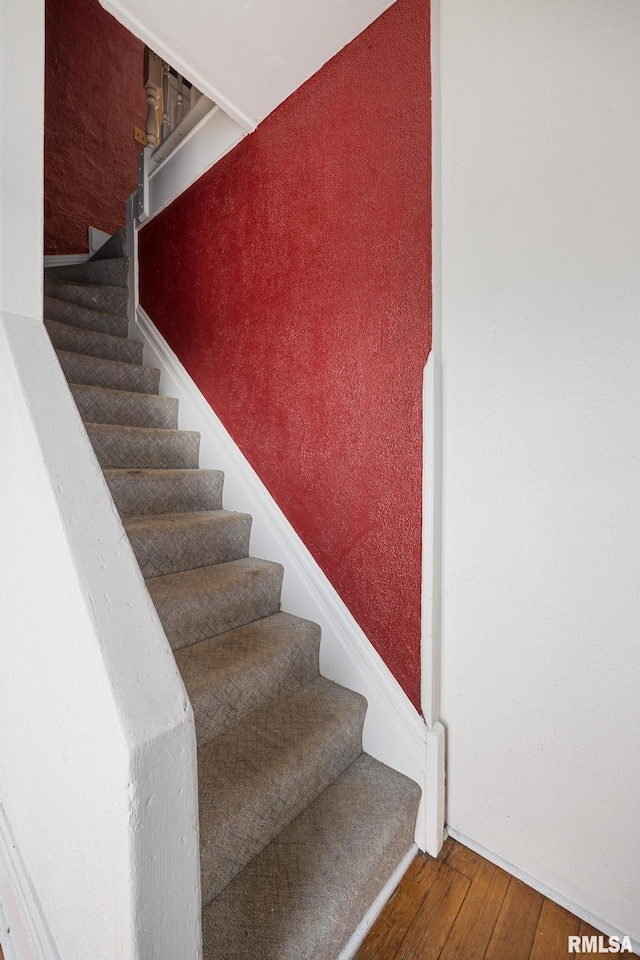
(299,829)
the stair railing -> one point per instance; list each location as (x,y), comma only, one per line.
(174,105)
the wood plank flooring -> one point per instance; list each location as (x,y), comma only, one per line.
(462,907)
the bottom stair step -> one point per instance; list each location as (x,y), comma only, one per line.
(304,895)
(257,777)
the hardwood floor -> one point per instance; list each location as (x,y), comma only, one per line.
(461,907)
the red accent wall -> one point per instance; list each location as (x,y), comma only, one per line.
(293,281)
(94,97)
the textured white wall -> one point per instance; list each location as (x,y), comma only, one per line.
(540,290)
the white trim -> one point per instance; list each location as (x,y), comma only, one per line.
(97,238)
(200,148)
(25,934)
(542,888)
(377,906)
(394,732)
(173,57)
(65,259)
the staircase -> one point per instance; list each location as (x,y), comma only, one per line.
(299,829)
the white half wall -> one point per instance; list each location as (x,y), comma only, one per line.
(99,849)
(540,333)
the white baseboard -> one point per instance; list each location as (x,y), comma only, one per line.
(376,907)
(24,932)
(542,888)
(64,259)
(394,732)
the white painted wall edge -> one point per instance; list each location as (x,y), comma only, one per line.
(24,934)
(206,143)
(542,888)
(172,56)
(394,732)
(64,259)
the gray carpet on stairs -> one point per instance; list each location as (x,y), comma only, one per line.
(299,830)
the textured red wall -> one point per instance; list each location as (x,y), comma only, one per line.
(93,99)
(293,282)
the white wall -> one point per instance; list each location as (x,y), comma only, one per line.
(540,339)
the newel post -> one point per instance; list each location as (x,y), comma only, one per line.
(153,90)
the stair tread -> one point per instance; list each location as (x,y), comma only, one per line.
(116,374)
(70,338)
(117,445)
(107,405)
(106,297)
(196,604)
(114,271)
(111,248)
(230,675)
(257,777)
(86,317)
(172,542)
(140,491)
(303,896)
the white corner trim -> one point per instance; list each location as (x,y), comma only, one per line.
(394,732)
(542,888)
(376,907)
(25,934)
(65,259)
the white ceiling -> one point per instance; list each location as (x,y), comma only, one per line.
(247,55)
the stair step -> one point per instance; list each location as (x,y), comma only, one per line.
(143,447)
(98,372)
(197,604)
(234,673)
(146,492)
(112,248)
(85,317)
(114,272)
(256,778)
(102,405)
(305,894)
(79,340)
(96,296)
(183,541)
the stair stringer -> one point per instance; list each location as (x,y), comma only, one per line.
(394,732)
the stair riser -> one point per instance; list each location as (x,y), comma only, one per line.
(138,494)
(229,676)
(132,410)
(113,300)
(93,371)
(89,343)
(210,611)
(165,552)
(113,248)
(113,272)
(78,316)
(317,741)
(114,450)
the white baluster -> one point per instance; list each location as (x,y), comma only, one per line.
(179,103)
(153,90)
